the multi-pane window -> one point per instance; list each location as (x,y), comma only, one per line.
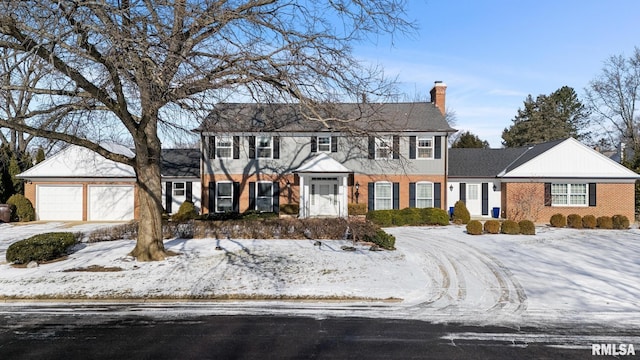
(324,143)
(178,189)
(384,147)
(264,196)
(264,147)
(383,193)
(224,146)
(425,147)
(569,194)
(224,197)
(424,194)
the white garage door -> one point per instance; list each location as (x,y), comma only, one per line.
(59,202)
(110,202)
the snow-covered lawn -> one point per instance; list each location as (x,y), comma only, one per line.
(436,274)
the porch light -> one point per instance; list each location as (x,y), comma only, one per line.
(357,194)
(357,186)
(289,185)
(451,187)
(495,188)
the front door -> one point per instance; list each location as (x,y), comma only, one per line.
(474,201)
(324,197)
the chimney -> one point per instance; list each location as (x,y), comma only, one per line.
(438,95)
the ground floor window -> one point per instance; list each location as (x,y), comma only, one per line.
(264,196)
(224,197)
(178,189)
(569,194)
(424,194)
(383,196)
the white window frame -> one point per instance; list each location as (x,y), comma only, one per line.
(218,197)
(424,202)
(224,147)
(260,148)
(264,197)
(177,190)
(572,194)
(384,144)
(428,148)
(324,147)
(378,199)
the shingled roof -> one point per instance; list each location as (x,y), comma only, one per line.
(380,117)
(468,162)
(180,163)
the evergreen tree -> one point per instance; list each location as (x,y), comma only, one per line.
(469,140)
(40,155)
(547,118)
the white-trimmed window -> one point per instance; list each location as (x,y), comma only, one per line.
(383,196)
(324,143)
(224,147)
(384,147)
(178,189)
(569,194)
(424,194)
(424,145)
(264,196)
(264,147)
(224,196)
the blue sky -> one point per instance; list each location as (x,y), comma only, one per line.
(493,53)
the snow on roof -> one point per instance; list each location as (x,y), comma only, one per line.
(322,163)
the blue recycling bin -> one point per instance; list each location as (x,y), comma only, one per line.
(451,212)
(496,212)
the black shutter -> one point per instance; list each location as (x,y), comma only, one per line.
(372,147)
(371,196)
(412,195)
(437,151)
(592,194)
(168,188)
(437,202)
(396,147)
(189,192)
(252,195)
(463,192)
(396,195)
(212,147)
(236,147)
(485,198)
(236,197)
(276,197)
(212,197)
(276,147)
(547,194)
(412,147)
(314,144)
(334,144)
(252,147)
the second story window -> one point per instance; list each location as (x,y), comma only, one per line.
(425,147)
(384,148)
(224,147)
(324,143)
(264,146)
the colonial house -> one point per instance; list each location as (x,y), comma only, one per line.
(387,155)
(535,182)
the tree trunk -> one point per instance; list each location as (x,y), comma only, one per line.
(149,246)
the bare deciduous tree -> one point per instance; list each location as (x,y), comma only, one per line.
(140,66)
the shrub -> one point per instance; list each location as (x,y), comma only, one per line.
(510,227)
(492,226)
(383,240)
(434,216)
(357,209)
(558,220)
(574,221)
(620,222)
(382,218)
(187,211)
(41,248)
(408,216)
(290,209)
(589,222)
(474,227)
(604,222)
(527,227)
(21,208)
(460,213)
(256,215)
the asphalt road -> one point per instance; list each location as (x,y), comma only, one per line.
(104,336)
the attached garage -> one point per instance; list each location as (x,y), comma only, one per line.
(110,202)
(59,202)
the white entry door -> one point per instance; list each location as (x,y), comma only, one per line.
(324,197)
(474,200)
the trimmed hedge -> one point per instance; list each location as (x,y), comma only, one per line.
(604,222)
(41,248)
(589,222)
(474,227)
(409,216)
(558,220)
(574,221)
(21,208)
(290,209)
(527,227)
(492,226)
(461,214)
(620,222)
(357,209)
(510,227)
